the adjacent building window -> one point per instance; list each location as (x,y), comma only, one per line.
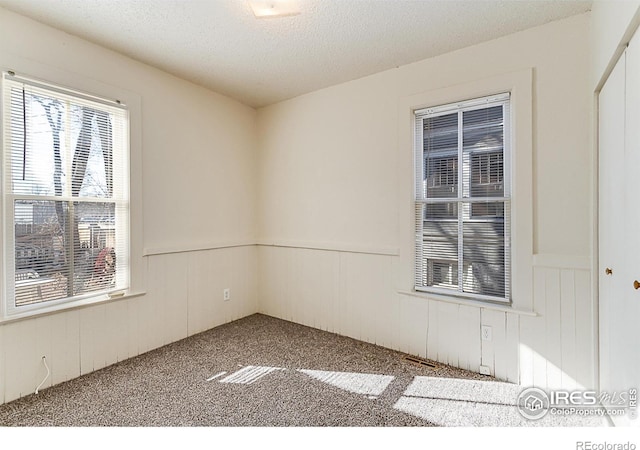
(463,198)
(65,195)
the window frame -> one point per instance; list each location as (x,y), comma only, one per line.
(88,89)
(519,84)
(464,203)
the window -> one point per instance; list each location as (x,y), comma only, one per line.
(65,195)
(463,199)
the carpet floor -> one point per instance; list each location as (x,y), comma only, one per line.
(261,371)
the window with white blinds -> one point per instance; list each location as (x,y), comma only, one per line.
(65,195)
(463,199)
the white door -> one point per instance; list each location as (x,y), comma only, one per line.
(610,204)
(619,228)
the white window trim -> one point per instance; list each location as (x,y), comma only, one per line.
(520,85)
(79,83)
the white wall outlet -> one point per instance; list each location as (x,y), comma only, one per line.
(485,370)
(226,294)
(486,333)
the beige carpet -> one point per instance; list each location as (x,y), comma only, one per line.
(262,371)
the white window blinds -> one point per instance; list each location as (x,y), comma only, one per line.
(66,195)
(463,199)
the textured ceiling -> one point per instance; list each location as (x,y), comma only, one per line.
(221,45)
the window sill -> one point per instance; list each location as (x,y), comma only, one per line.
(468,302)
(70,306)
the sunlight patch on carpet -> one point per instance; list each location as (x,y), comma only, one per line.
(249,374)
(483,391)
(371,385)
(454,402)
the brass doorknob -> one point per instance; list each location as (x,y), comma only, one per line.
(636,284)
(608,271)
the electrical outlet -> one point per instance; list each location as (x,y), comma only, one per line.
(486,333)
(226,294)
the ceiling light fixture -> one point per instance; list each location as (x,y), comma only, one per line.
(274,8)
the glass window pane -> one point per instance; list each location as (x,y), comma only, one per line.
(37,162)
(94,246)
(442,273)
(483,129)
(487,174)
(63,249)
(92,160)
(441,177)
(41,266)
(440,250)
(484,258)
(487,210)
(440,152)
(483,149)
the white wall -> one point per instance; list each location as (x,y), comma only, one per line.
(336,180)
(193,188)
(613,22)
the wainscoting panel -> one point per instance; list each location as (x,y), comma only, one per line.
(557,348)
(412,326)
(209,273)
(470,350)
(314,289)
(184,297)
(168,277)
(93,338)
(353,294)
(274,275)
(586,327)
(22,362)
(366,288)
